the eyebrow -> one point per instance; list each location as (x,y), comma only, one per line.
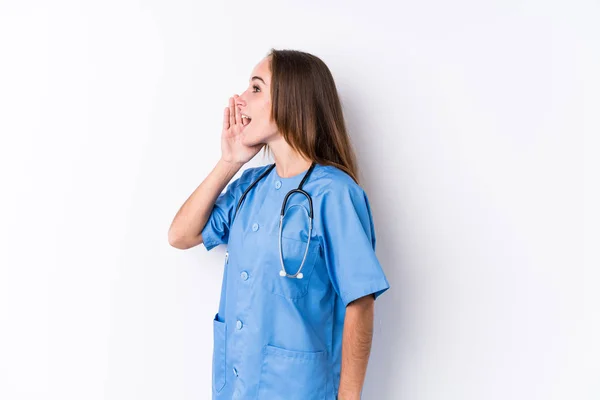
(259,78)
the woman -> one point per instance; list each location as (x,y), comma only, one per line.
(295,317)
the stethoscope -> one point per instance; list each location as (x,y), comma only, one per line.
(283,272)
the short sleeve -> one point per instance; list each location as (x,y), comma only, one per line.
(216,230)
(349,244)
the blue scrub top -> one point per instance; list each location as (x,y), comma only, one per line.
(277,337)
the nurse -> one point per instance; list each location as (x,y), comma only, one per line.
(295,318)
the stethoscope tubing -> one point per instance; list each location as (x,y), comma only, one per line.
(283,272)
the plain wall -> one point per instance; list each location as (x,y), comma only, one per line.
(469,120)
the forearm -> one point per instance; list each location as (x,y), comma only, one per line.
(187,224)
(356,347)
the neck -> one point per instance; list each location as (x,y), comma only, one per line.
(288,162)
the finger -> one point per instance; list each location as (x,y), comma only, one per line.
(238,115)
(226,118)
(231,111)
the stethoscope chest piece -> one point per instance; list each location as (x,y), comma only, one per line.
(283,274)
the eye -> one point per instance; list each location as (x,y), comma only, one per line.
(255,87)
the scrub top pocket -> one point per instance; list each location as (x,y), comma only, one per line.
(293,253)
(219,360)
(293,375)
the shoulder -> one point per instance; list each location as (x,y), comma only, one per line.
(338,191)
(251,174)
(248,176)
(343,203)
(336,184)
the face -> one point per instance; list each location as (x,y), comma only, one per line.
(255,102)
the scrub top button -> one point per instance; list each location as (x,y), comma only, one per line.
(255,227)
(277,184)
(244,275)
(238,325)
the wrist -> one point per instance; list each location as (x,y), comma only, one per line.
(236,163)
(232,164)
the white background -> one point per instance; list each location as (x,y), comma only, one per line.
(469,119)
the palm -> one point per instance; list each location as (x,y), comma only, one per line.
(231,143)
(232,148)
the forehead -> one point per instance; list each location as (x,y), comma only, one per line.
(262,69)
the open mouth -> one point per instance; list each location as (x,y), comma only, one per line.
(245,120)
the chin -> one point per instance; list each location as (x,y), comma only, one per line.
(247,140)
(250,140)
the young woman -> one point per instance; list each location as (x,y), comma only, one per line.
(295,318)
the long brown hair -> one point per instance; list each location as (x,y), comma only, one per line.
(307,110)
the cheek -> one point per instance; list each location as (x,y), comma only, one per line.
(265,109)
(263,118)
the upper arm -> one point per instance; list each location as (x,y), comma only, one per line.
(349,244)
(217,227)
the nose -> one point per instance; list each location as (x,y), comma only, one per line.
(239,101)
